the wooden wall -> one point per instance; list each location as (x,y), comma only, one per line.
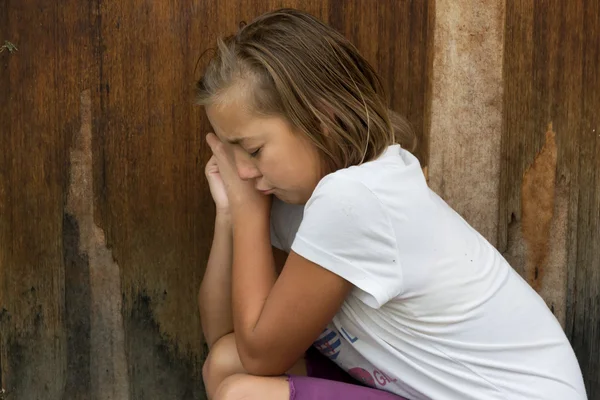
(515,145)
(105,218)
(549,211)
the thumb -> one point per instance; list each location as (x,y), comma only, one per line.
(215,144)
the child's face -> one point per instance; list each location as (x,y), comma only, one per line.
(281,161)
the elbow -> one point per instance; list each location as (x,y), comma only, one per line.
(260,366)
(261,361)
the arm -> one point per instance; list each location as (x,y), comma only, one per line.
(214,296)
(277,319)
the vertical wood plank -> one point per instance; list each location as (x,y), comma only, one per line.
(90,348)
(31,180)
(5,126)
(466,110)
(44,290)
(551,76)
(148,178)
(584,294)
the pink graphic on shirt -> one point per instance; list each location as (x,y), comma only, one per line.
(362,375)
(382,378)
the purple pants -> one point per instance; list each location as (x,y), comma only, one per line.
(326,381)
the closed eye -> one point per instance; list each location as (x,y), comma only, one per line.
(254,154)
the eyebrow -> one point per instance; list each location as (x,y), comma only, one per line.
(237,140)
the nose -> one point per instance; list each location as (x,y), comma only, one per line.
(246,169)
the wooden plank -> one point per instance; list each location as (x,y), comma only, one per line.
(93,350)
(584,294)
(550,76)
(5,126)
(150,197)
(45,279)
(31,270)
(466,110)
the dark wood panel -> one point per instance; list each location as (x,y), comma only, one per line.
(39,102)
(551,76)
(151,198)
(102,92)
(583,322)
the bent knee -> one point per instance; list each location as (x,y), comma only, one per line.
(248,387)
(233,387)
(222,361)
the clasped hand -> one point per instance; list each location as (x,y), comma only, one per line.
(230,192)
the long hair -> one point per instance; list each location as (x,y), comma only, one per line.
(287,63)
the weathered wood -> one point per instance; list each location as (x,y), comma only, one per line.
(552,53)
(583,309)
(35,129)
(106,273)
(152,201)
(466,113)
(105,217)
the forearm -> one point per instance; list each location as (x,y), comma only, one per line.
(214,296)
(254,275)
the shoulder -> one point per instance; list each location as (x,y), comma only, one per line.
(347,230)
(342,197)
(339,184)
(394,181)
(344,211)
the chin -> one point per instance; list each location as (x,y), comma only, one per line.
(290,199)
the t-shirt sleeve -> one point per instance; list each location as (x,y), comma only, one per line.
(347,231)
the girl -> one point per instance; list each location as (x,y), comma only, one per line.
(381,277)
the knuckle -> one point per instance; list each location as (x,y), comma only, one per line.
(219,148)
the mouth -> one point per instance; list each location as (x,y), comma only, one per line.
(266,192)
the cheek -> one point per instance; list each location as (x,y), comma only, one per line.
(301,172)
(295,167)
(281,172)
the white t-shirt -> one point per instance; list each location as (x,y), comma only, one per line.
(436,312)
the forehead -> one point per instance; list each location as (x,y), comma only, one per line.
(229,120)
(233,122)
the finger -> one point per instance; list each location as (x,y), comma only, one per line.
(214,143)
(211,163)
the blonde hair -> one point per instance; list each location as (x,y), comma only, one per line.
(288,63)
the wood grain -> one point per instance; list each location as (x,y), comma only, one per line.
(466,110)
(140,233)
(34,134)
(551,76)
